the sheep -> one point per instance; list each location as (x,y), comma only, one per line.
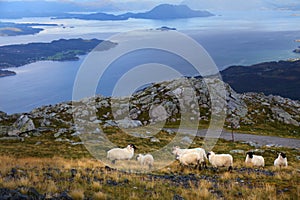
(281,160)
(190,158)
(177,152)
(121,154)
(220,160)
(145,160)
(257,161)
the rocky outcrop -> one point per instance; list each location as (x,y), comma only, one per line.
(23,125)
(185,99)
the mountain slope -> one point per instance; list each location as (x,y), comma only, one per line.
(167,11)
(277,78)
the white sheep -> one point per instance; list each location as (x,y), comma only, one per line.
(121,154)
(257,161)
(177,151)
(220,160)
(191,158)
(145,160)
(281,160)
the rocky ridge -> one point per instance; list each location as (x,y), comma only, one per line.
(160,102)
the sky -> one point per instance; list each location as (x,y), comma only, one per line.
(195,4)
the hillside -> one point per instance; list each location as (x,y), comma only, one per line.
(167,11)
(277,78)
(59,151)
(250,112)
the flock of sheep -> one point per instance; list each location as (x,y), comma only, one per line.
(196,157)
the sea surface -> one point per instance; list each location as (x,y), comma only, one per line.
(230,38)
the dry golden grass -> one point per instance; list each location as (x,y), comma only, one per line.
(52,175)
(99,196)
(31,174)
(77,194)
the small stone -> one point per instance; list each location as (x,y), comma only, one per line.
(237,151)
(186,139)
(177,197)
(154,139)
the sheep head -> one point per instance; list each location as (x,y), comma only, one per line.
(250,154)
(138,157)
(209,154)
(133,146)
(283,155)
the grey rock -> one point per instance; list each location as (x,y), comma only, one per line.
(129,123)
(170,132)
(186,140)
(298,157)
(253,144)
(259,151)
(237,151)
(154,140)
(12,138)
(110,123)
(270,145)
(283,116)
(77,143)
(23,124)
(77,133)
(60,132)
(63,140)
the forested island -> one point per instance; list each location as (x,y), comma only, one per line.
(14,29)
(57,50)
(6,73)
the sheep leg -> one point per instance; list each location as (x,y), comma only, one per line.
(230,168)
(113,161)
(199,167)
(205,166)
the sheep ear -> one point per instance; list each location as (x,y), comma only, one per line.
(133,146)
(208,154)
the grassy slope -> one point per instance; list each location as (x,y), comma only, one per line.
(47,168)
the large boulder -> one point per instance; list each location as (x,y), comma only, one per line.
(283,116)
(128,123)
(23,125)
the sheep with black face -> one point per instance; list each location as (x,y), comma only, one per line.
(281,160)
(256,161)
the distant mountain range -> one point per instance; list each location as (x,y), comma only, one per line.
(160,12)
(236,5)
(277,78)
(56,8)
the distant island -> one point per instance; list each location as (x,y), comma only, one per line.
(57,50)
(166,28)
(14,29)
(297,50)
(6,73)
(277,78)
(160,12)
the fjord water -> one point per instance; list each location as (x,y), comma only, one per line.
(230,40)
